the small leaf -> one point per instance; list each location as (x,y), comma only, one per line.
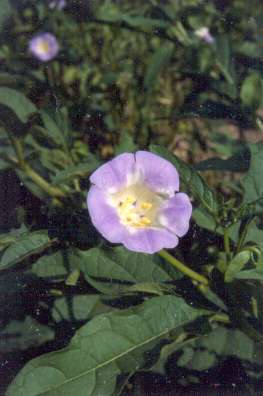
(191,179)
(252,181)
(80,170)
(24,247)
(255,274)
(108,345)
(252,90)
(21,335)
(17,102)
(52,130)
(126,144)
(236,163)
(236,265)
(160,58)
(73,277)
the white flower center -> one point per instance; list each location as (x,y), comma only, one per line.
(43,47)
(137,206)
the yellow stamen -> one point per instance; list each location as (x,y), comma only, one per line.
(146,205)
(144,221)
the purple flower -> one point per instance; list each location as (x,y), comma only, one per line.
(205,35)
(133,201)
(44,46)
(59,4)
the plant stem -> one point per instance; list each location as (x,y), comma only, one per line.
(31,173)
(227,245)
(183,268)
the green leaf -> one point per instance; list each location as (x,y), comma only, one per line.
(126,144)
(252,90)
(102,349)
(191,179)
(255,274)
(78,308)
(24,247)
(52,130)
(252,181)
(160,58)
(236,265)
(80,170)
(17,102)
(224,59)
(236,163)
(112,267)
(21,335)
(143,22)
(54,267)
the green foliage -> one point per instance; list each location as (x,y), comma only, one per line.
(24,247)
(252,90)
(130,76)
(106,346)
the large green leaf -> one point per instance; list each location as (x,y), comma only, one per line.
(24,247)
(252,181)
(17,102)
(191,179)
(102,349)
(112,267)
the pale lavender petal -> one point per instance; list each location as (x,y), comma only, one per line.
(159,174)
(114,174)
(104,217)
(176,213)
(150,240)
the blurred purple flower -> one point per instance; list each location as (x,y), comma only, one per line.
(44,46)
(59,4)
(205,34)
(133,201)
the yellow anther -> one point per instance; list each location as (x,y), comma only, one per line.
(130,200)
(146,205)
(144,221)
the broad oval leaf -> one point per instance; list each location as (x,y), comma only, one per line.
(114,266)
(191,179)
(105,347)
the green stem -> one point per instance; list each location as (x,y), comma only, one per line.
(227,245)
(183,268)
(33,175)
(220,317)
